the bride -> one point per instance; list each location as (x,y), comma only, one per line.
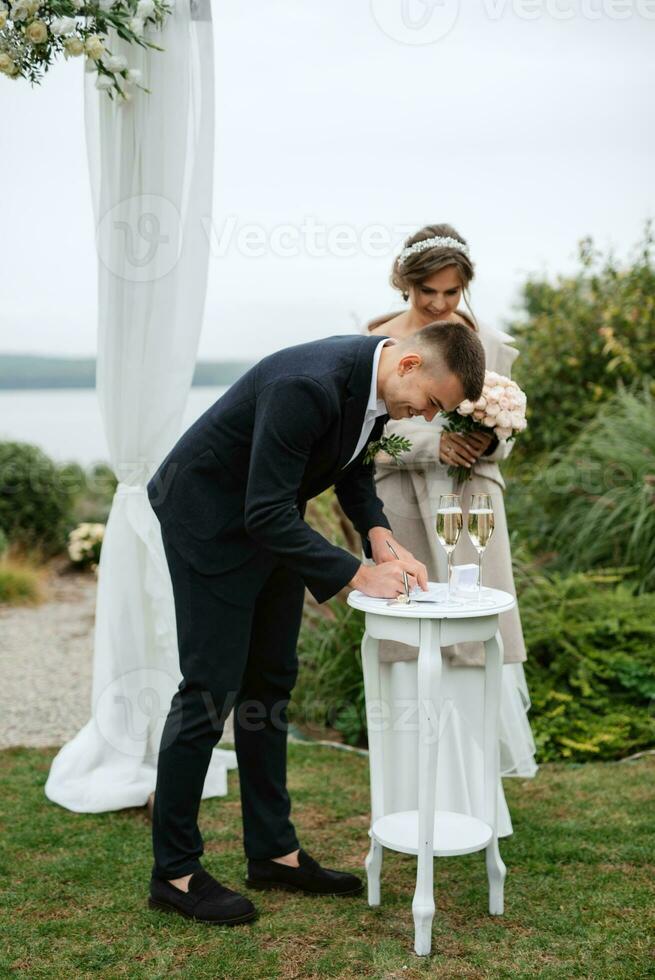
(432,273)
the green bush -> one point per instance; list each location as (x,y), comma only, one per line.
(582,338)
(93,491)
(590,667)
(592,505)
(35,502)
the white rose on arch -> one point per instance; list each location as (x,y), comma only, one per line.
(104,82)
(115,62)
(94,47)
(63,25)
(145,9)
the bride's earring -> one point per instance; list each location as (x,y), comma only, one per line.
(405,296)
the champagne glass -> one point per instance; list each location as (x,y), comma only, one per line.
(449,528)
(480,528)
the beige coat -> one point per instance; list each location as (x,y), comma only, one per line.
(410,494)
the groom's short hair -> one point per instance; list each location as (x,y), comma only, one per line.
(455,346)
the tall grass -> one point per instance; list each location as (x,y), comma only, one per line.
(19,584)
(593,504)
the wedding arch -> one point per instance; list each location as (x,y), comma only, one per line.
(151,170)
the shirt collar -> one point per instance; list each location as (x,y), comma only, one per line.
(376,406)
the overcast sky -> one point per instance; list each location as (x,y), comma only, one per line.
(527,125)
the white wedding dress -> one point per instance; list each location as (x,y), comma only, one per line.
(460,773)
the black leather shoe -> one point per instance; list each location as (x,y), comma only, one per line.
(207,900)
(309,877)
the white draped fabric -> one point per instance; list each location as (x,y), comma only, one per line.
(151,167)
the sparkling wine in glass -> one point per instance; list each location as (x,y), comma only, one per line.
(449,528)
(480,527)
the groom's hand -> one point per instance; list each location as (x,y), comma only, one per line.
(385,581)
(380,538)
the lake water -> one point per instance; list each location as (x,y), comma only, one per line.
(66,423)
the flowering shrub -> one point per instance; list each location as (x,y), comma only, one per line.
(85,544)
(34,32)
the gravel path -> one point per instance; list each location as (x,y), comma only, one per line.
(46,655)
(46,662)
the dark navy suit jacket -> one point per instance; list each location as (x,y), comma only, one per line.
(237,482)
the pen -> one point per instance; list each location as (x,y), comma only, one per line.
(405,582)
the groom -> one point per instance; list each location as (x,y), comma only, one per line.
(230,498)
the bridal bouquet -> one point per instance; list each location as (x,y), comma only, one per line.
(34,32)
(499,409)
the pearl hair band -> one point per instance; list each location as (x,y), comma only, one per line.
(440,241)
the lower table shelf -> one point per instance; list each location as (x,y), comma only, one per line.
(454,833)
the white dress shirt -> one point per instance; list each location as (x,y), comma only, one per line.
(375,406)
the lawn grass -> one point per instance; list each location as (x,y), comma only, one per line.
(579,895)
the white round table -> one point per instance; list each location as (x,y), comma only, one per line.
(429,832)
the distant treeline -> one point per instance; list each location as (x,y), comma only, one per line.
(33,371)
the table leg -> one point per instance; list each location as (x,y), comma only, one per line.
(429,675)
(496,869)
(372,687)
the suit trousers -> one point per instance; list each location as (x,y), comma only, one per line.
(237,636)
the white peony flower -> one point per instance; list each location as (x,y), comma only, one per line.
(503,433)
(73,47)
(135,24)
(6,63)
(104,82)
(20,10)
(466,407)
(115,62)
(94,47)
(134,75)
(3,18)
(63,25)
(145,9)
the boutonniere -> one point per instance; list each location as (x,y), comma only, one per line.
(391,445)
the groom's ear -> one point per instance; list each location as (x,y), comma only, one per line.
(409,362)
